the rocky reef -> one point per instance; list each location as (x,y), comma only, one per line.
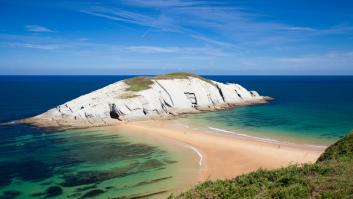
(144,98)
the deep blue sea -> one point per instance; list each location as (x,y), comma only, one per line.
(90,162)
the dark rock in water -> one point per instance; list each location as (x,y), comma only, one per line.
(90,177)
(46,183)
(151,181)
(161,168)
(143,195)
(83,178)
(113,151)
(92,193)
(53,191)
(109,187)
(4,176)
(34,170)
(170,161)
(86,188)
(38,194)
(27,170)
(64,161)
(74,195)
(49,192)
(10,194)
(151,164)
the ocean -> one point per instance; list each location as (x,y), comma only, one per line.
(96,162)
(306,109)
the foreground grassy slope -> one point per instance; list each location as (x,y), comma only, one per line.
(330,177)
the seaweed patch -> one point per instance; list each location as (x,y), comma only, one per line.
(92,193)
(10,194)
(90,177)
(50,192)
(151,181)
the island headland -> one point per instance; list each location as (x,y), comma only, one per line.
(146,98)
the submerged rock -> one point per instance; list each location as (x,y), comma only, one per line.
(49,192)
(93,193)
(142,195)
(143,183)
(91,177)
(10,194)
(145,98)
(53,191)
(25,169)
(151,164)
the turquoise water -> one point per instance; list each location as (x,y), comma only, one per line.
(86,163)
(313,110)
(98,163)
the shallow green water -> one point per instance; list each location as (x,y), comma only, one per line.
(84,164)
(308,109)
(265,123)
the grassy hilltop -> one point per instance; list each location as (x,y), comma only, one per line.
(144,82)
(330,177)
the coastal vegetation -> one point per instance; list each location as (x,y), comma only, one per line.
(138,83)
(181,75)
(144,82)
(330,177)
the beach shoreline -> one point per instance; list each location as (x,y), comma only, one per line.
(224,156)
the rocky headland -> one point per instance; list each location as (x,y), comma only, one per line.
(145,98)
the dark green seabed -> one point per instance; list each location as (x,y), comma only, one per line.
(83,164)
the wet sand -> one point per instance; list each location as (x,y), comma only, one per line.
(221,156)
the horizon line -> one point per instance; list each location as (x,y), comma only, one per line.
(278,75)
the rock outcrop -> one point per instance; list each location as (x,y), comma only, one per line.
(161,97)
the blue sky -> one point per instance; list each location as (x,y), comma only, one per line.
(154,36)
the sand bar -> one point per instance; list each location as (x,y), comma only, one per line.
(223,156)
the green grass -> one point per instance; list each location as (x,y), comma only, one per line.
(142,83)
(181,75)
(138,83)
(177,75)
(330,177)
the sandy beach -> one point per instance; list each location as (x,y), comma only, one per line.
(223,156)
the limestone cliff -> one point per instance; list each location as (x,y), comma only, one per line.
(146,98)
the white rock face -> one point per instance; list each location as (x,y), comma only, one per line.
(165,98)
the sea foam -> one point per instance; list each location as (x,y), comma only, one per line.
(260,138)
(244,135)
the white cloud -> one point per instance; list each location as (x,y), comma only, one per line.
(161,3)
(294,59)
(87,47)
(321,62)
(213,23)
(37,28)
(153,49)
(37,46)
(179,51)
